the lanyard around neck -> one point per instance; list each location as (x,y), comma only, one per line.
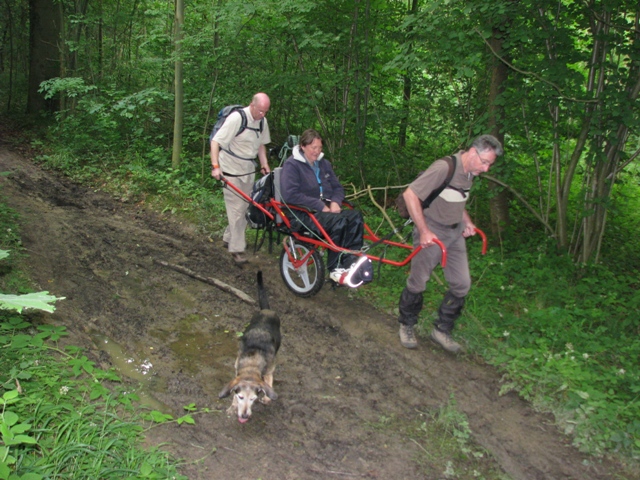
(316,170)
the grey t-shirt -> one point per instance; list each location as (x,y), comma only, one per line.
(448,207)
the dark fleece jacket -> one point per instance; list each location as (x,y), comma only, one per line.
(299,185)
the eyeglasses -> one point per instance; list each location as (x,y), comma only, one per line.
(484,161)
(258,110)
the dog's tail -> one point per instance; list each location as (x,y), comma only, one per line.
(263,300)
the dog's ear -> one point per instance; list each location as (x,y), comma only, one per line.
(268,391)
(229,387)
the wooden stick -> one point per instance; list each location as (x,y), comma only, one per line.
(211,281)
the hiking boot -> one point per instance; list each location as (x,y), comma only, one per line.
(239,258)
(407,336)
(445,341)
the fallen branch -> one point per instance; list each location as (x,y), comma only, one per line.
(211,281)
(334,472)
(384,211)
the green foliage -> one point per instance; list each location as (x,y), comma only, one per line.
(106,119)
(58,418)
(39,300)
(454,454)
(72,87)
(566,338)
(160,418)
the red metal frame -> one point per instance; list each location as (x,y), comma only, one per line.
(484,240)
(326,242)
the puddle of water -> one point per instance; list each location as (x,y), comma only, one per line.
(201,351)
(197,350)
(131,367)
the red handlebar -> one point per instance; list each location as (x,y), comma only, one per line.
(484,240)
(444,251)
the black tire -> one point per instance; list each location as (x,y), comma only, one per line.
(307,280)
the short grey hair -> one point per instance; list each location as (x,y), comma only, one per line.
(488,142)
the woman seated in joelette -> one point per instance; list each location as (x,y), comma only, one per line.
(308,180)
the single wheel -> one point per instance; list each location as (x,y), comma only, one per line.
(307,279)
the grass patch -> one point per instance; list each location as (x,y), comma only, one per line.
(60,416)
(445,444)
(58,419)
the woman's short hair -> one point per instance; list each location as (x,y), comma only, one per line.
(308,136)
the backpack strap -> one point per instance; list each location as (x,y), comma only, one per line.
(243,123)
(451,160)
(243,127)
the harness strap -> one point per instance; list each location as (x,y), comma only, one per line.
(239,175)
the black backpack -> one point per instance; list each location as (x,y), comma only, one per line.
(401,204)
(222,116)
(262,192)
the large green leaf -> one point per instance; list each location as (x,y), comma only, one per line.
(39,300)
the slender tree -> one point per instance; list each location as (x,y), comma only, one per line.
(178,86)
(499,202)
(44,29)
(407,83)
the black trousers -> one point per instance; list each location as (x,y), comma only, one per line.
(345,229)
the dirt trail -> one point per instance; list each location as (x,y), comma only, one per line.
(340,369)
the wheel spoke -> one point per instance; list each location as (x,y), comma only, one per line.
(308,278)
(303,274)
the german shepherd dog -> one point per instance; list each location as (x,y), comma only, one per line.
(256,360)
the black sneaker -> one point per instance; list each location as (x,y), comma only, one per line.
(357,274)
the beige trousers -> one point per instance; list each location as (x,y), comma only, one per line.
(236,207)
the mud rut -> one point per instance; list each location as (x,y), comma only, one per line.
(340,368)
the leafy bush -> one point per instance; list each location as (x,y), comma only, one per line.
(55,423)
(566,338)
(104,120)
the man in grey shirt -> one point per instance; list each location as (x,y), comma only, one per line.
(446,220)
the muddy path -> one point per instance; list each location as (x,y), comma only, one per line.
(341,369)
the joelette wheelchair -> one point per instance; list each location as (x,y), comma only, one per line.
(301,261)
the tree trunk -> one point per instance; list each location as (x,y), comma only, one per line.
(179,91)
(499,203)
(44,63)
(406,88)
(11,57)
(100,41)
(605,171)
